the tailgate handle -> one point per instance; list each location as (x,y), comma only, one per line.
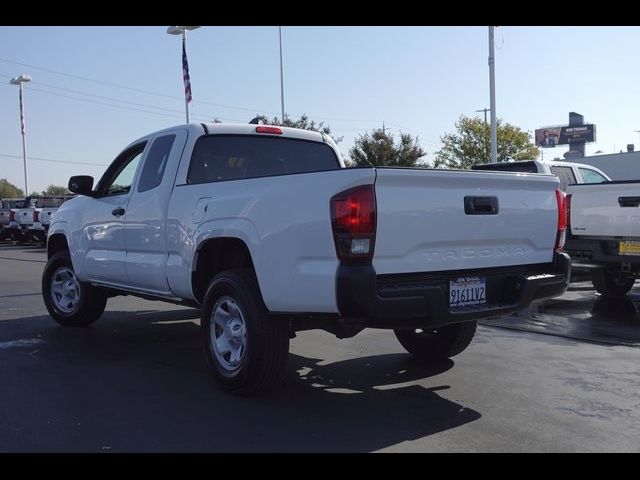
(481,205)
(629,201)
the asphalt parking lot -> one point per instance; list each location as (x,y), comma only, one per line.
(562,376)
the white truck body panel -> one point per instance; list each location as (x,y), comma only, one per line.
(283,220)
(596,211)
(422,225)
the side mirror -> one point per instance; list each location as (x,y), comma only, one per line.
(81,185)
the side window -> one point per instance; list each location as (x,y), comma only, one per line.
(591,176)
(118,178)
(155,163)
(566,176)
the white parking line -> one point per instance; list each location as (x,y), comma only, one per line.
(24,342)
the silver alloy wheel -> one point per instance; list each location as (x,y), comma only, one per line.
(65,290)
(228,333)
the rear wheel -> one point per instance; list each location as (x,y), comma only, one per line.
(439,343)
(246,349)
(70,302)
(612,283)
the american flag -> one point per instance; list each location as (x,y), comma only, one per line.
(21,113)
(185,73)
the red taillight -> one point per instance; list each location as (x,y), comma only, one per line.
(562,219)
(353,221)
(35,216)
(12,216)
(266,129)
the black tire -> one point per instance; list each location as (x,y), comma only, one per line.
(612,283)
(263,357)
(437,344)
(91,301)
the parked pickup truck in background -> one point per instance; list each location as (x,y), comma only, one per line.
(604,234)
(6,207)
(266,231)
(569,173)
(43,213)
(21,219)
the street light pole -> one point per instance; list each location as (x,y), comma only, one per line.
(492,87)
(20,81)
(281,75)
(182,30)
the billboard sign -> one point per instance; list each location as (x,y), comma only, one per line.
(565,135)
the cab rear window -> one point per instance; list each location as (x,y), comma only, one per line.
(218,158)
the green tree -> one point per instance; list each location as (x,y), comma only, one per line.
(9,190)
(379,148)
(470,144)
(303,122)
(56,190)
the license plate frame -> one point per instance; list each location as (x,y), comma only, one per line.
(467,290)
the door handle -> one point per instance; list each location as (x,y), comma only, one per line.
(629,201)
(118,212)
(481,205)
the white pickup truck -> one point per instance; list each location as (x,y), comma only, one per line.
(43,214)
(21,220)
(266,231)
(604,234)
(569,173)
(7,215)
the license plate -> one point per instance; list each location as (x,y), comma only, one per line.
(629,248)
(467,291)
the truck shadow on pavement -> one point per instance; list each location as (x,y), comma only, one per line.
(137,381)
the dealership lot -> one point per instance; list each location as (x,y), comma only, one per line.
(562,376)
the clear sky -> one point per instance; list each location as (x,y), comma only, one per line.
(415,79)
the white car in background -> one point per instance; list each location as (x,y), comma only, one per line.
(569,173)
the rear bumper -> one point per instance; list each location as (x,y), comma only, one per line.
(598,252)
(419,300)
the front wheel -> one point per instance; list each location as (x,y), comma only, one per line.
(70,302)
(612,283)
(437,343)
(245,348)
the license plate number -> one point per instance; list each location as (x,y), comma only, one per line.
(629,248)
(467,291)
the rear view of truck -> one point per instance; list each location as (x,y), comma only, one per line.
(604,234)
(451,246)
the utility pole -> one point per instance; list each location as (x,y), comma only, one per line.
(492,88)
(485,110)
(281,75)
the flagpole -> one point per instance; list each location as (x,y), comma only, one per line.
(184,45)
(281,75)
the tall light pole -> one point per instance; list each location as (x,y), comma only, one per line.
(281,75)
(20,81)
(492,88)
(185,67)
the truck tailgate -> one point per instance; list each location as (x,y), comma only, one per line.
(423,224)
(607,209)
